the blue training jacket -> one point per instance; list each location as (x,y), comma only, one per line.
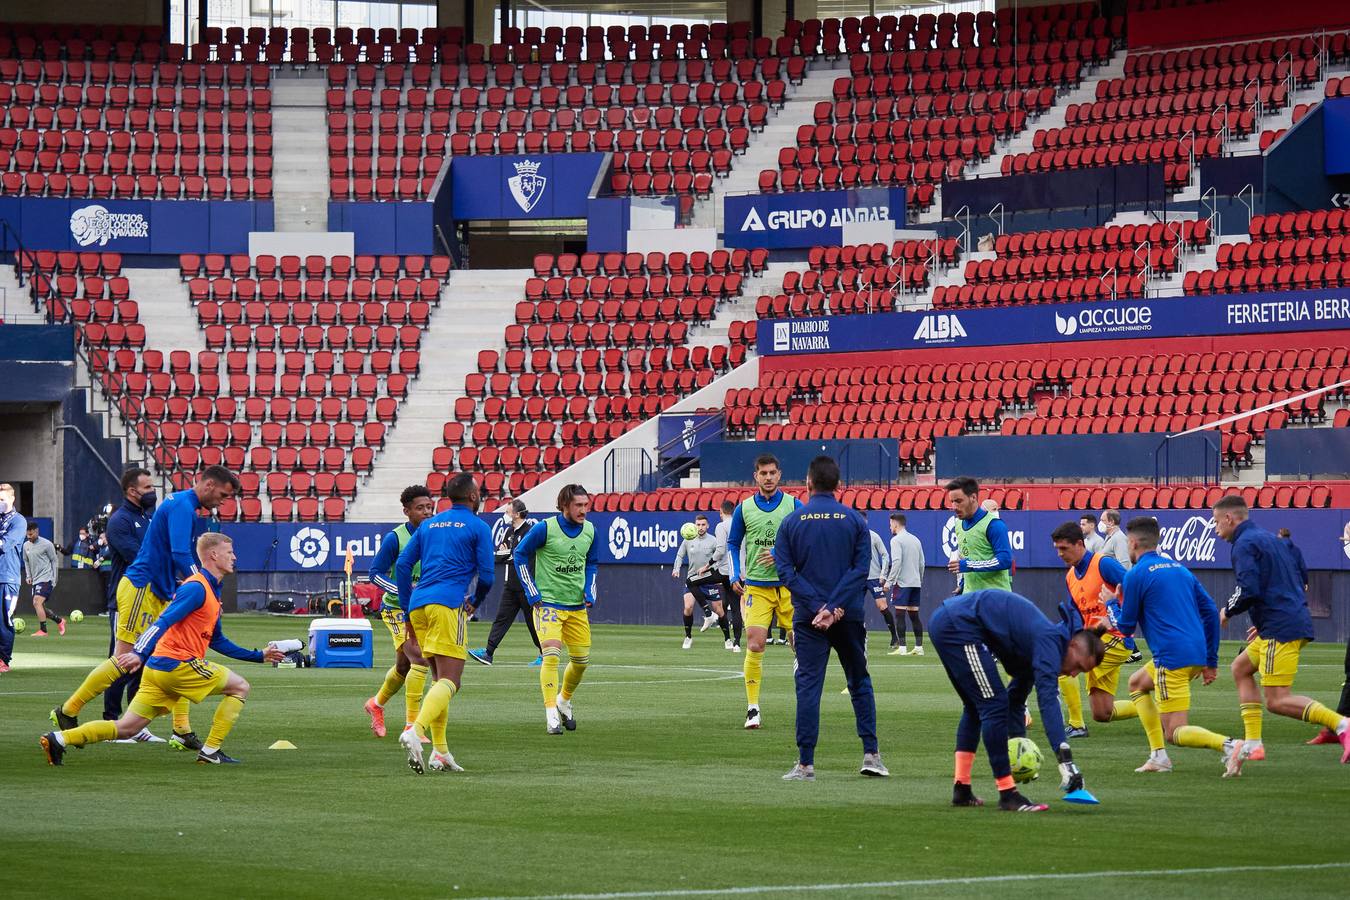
(168,553)
(997,533)
(530,544)
(1178,618)
(12,535)
(823,551)
(454,548)
(188,598)
(1269,585)
(736,535)
(126,531)
(1028,645)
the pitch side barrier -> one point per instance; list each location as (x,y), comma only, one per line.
(1318,310)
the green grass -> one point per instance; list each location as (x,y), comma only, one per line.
(659,789)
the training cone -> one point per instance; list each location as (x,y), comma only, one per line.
(1081,796)
(287,745)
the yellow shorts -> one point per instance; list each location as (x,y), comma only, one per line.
(1106,677)
(571,626)
(441,631)
(195,679)
(137,610)
(758,604)
(1172,687)
(396,621)
(1276,662)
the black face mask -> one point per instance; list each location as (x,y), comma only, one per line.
(147,500)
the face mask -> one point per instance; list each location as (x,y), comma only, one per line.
(147,500)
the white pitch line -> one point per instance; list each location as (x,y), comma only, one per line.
(920,882)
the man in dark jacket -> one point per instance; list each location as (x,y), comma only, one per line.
(125,531)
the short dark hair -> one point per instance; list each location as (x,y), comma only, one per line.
(823,473)
(728,507)
(1089,516)
(519,506)
(411,493)
(460,488)
(1090,639)
(1233,503)
(569,493)
(1284,533)
(767,459)
(32,526)
(220,475)
(965,484)
(131,476)
(700,518)
(1112,516)
(899,518)
(1069,531)
(1145,530)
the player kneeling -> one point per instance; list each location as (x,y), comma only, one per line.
(172,651)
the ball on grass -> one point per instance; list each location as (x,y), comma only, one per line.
(20,626)
(688,531)
(1026,759)
(76,616)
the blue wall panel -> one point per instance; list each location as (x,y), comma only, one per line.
(1307,451)
(862,461)
(1077,456)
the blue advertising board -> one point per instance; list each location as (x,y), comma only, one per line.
(539,186)
(1319,310)
(807,218)
(135,226)
(1336,135)
(651,538)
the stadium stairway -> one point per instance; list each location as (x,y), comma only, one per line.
(300,152)
(762,152)
(1280,119)
(476,306)
(170,322)
(16,308)
(742,308)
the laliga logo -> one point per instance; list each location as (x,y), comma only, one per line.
(94,224)
(949,537)
(527,187)
(1066,325)
(620,537)
(1193,541)
(309,548)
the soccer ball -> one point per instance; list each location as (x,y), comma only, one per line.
(1026,759)
(688,531)
(19,625)
(76,616)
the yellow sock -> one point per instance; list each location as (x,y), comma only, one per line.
(90,733)
(576,667)
(412,692)
(1073,699)
(392,682)
(439,742)
(1251,720)
(1147,711)
(1195,736)
(435,706)
(754,672)
(548,676)
(1124,709)
(1319,715)
(99,679)
(227,713)
(180,717)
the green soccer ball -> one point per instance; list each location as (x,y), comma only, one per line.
(1026,759)
(688,531)
(76,616)
(20,626)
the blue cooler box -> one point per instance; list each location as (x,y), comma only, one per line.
(342,644)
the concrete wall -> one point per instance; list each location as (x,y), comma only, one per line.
(27,453)
(94,12)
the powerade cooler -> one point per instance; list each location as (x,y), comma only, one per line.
(342,644)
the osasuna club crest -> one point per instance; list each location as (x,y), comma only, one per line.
(527,187)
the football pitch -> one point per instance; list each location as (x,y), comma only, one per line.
(659,792)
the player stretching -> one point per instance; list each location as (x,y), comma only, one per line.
(452,548)
(409,665)
(1181,625)
(561,590)
(755,523)
(969,633)
(166,559)
(173,650)
(1094,582)
(1270,588)
(702,583)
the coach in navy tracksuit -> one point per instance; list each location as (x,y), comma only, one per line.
(125,531)
(822,553)
(969,633)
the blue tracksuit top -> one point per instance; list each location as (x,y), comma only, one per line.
(385,559)
(535,538)
(12,535)
(126,531)
(823,551)
(454,548)
(1298,560)
(1178,618)
(997,533)
(1269,585)
(736,535)
(168,553)
(187,599)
